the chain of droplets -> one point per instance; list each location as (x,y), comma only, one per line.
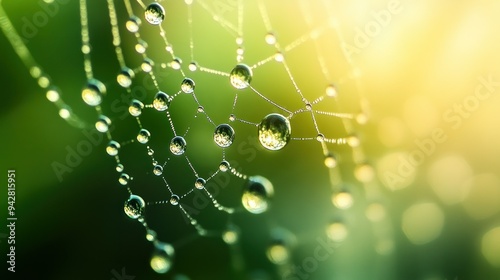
(240,78)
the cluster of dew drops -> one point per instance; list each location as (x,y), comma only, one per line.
(274,133)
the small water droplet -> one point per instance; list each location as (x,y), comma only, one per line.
(119,167)
(241,76)
(157,170)
(151,235)
(112,148)
(162,258)
(174,199)
(147,65)
(52,95)
(256,194)
(133,24)
(176,63)
(320,137)
(134,206)
(270,38)
(224,135)
(200,109)
(239,41)
(330,161)
(143,136)
(193,66)
(342,200)
(135,108)
(178,145)
(279,57)
(92,93)
(232,118)
(200,183)
(231,235)
(102,124)
(154,13)
(274,132)
(124,178)
(331,91)
(224,166)
(187,85)
(141,46)
(161,101)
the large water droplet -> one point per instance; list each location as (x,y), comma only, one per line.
(134,206)
(162,258)
(155,13)
(93,91)
(274,132)
(178,145)
(161,101)
(224,135)
(187,85)
(241,76)
(256,195)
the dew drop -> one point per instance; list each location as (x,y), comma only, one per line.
(231,235)
(174,199)
(200,183)
(133,24)
(270,38)
(256,194)
(193,66)
(187,85)
(151,235)
(147,65)
(337,231)
(278,253)
(161,101)
(239,41)
(102,124)
(162,258)
(224,135)
(240,51)
(52,95)
(241,76)
(232,118)
(224,166)
(157,170)
(342,200)
(274,132)
(112,148)
(330,161)
(200,109)
(125,77)
(92,93)
(124,178)
(279,57)
(154,13)
(135,108)
(320,137)
(331,91)
(141,46)
(134,206)
(119,167)
(143,136)
(176,63)
(178,145)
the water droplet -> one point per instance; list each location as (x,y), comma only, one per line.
(112,148)
(193,66)
(274,132)
(155,13)
(200,109)
(364,173)
(157,170)
(178,145)
(278,253)
(52,95)
(134,206)
(119,167)
(342,200)
(353,141)
(330,161)
(92,93)
(337,231)
(143,136)
(124,178)
(331,91)
(176,63)
(162,258)
(187,85)
(161,101)
(169,48)
(151,235)
(224,166)
(200,183)
(231,235)
(320,137)
(256,195)
(224,135)
(102,124)
(174,199)
(279,57)
(133,24)
(135,108)
(239,41)
(141,46)
(150,151)
(125,77)
(270,38)
(240,51)
(65,112)
(241,76)
(147,65)
(309,106)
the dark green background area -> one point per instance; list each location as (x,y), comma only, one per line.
(76,228)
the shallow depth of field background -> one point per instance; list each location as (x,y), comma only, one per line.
(420,74)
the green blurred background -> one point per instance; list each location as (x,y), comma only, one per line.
(414,72)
